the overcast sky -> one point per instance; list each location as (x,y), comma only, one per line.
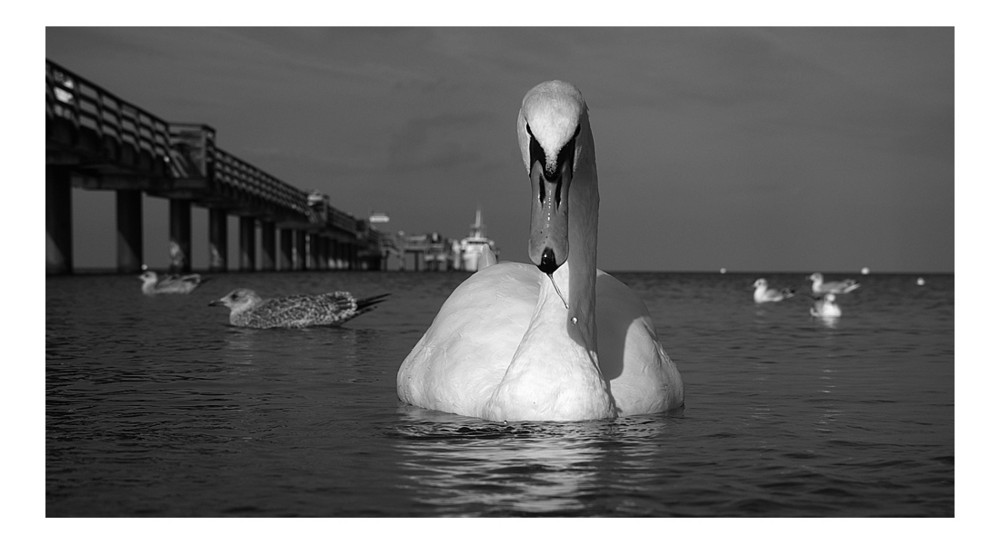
(759,149)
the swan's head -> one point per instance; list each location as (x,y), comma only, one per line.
(816,277)
(238,300)
(554,133)
(760,283)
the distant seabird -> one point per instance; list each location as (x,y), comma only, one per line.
(763,294)
(825,307)
(154,285)
(247,309)
(839,286)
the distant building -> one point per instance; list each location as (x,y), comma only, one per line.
(467,251)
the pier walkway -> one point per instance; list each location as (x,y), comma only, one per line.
(97,141)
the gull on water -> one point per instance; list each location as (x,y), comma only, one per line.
(152,284)
(247,309)
(763,294)
(825,307)
(837,286)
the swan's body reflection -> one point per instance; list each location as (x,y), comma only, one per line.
(466,465)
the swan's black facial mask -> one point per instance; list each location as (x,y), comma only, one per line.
(548,240)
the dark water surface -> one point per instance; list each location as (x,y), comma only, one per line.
(157,407)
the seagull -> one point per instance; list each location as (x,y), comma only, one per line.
(825,307)
(554,339)
(838,287)
(247,309)
(152,284)
(762,294)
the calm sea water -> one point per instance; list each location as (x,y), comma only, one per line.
(157,407)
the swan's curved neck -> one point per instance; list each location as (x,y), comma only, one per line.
(555,374)
(579,279)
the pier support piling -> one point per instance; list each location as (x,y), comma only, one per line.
(218,240)
(324,257)
(267,246)
(299,255)
(180,235)
(313,257)
(128,204)
(285,261)
(248,243)
(58,220)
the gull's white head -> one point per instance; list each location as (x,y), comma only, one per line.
(553,130)
(760,283)
(238,300)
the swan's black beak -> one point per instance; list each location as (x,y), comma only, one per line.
(548,240)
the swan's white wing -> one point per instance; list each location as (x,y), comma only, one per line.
(643,378)
(465,352)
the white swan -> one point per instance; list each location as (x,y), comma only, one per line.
(825,307)
(837,286)
(556,339)
(763,294)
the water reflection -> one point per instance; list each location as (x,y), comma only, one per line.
(464,465)
(828,321)
(241,346)
(247,346)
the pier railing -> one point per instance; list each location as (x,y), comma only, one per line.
(89,125)
(262,192)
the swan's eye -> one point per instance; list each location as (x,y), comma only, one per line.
(535,152)
(568,152)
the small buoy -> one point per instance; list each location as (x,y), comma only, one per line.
(722,270)
(920,281)
(865,270)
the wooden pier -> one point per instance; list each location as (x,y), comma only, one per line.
(96,141)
